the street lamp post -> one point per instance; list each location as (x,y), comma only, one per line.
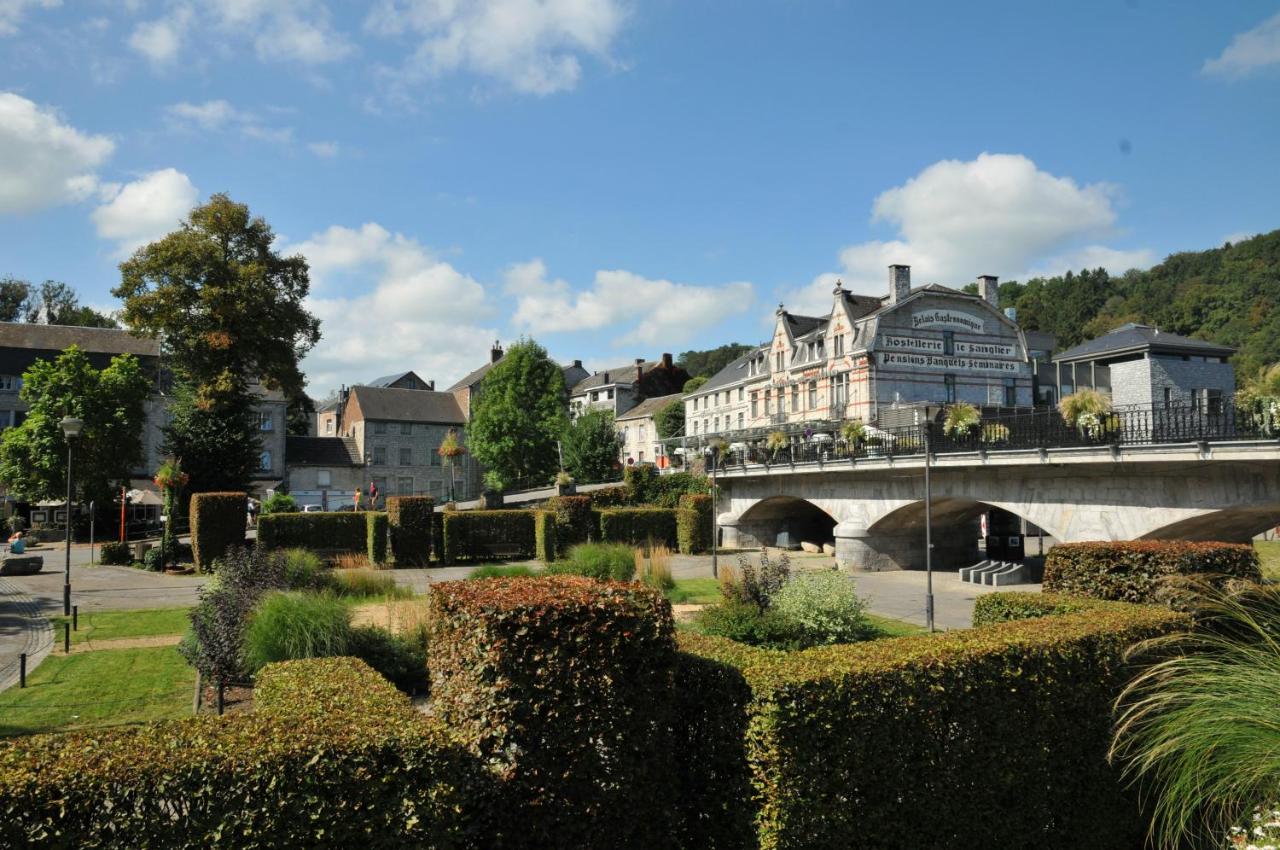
(71,428)
(715,518)
(928,531)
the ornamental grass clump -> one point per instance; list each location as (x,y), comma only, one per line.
(1197,728)
(290,625)
(364,584)
(602,561)
(214,646)
(653,566)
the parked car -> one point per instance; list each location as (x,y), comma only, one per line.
(313,509)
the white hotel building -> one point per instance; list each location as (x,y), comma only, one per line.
(877,359)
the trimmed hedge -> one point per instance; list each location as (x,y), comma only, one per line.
(469,534)
(574,522)
(1010,605)
(610,497)
(636,526)
(546,535)
(519,667)
(1142,570)
(990,737)
(331,757)
(340,531)
(376,526)
(646,486)
(218,522)
(694,523)
(410,523)
(115,553)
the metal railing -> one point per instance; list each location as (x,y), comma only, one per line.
(820,442)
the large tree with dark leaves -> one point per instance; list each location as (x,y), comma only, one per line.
(229,310)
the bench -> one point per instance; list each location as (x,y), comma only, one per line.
(502,550)
(21,565)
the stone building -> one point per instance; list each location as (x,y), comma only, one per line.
(639,432)
(22,344)
(877,359)
(1143,365)
(324,471)
(396,434)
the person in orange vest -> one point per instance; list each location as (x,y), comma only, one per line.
(357,507)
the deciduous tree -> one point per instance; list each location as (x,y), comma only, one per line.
(519,414)
(591,447)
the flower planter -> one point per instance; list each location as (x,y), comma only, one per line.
(566,489)
(491,499)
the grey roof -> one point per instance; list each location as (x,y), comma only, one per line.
(396,405)
(801,325)
(1133,338)
(650,406)
(731,374)
(475,375)
(60,337)
(862,305)
(617,375)
(321,451)
(389,380)
(1040,340)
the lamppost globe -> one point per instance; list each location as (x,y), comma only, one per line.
(71,427)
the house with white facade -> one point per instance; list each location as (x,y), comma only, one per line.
(878,359)
(639,431)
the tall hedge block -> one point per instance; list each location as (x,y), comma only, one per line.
(341,531)
(636,526)
(1143,570)
(694,525)
(937,714)
(376,528)
(518,669)
(410,524)
(574,522)
(476,535)
(546,536)
(218,522)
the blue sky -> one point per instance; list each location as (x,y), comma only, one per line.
(620,178)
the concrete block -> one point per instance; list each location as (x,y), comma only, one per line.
(966,572)
(1016,574)
(811,548)
(829,549)
(21,565)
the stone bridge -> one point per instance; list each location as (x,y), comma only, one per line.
(873,508)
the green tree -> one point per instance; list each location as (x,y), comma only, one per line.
(217,443)
(694,384)
(111,401)
(230,311)
(706,363)
(669,421)
(52,303)
(519,414)
(592,446)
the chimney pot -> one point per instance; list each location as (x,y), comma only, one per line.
(495,353)
(666,360)
(899,283)
(606,378)
(431,385)
(577,364)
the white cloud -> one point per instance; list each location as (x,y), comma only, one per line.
(216,115)
(1240,236)
(161,40)
(145,209)
(324,150)
(43,160)
(422,313)
(654,312)
(1248,51)
(534,47)
(12,12)
(279,30)
(997,214)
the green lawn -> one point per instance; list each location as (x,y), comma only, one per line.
(1269,554)
(890,627)
(695,591)
(104,688)
(112,625)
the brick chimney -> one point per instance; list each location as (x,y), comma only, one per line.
(989,288)
(495,353)
(666,360)
(899,283)
(639,369)
(577,364)
(431,385)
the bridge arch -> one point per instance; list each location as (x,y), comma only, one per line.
(784,520)
(1233,525)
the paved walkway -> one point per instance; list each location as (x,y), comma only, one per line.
(22,629)
(108,588)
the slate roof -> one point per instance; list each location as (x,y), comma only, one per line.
(59,337)
(389,380)
(731,374)
(617,375)
(801,325)
(396,405)
(862,305)
(321,451)
(1134,338)
(650,406)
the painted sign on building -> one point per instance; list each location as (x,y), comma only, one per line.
(950,319)
(951,364)
(986,349)
(911,343)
